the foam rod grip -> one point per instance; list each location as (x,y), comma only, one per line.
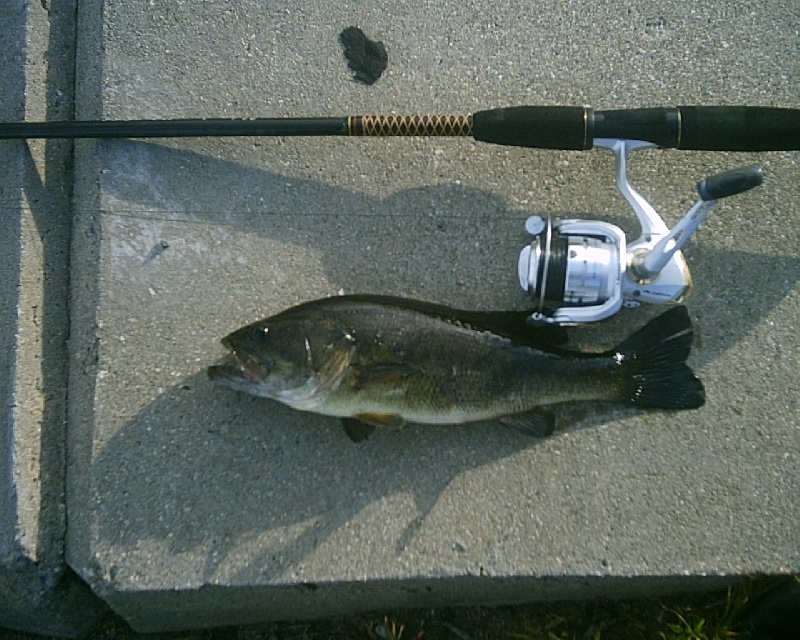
(739,128)
(537,127)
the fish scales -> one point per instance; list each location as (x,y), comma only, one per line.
(455,373)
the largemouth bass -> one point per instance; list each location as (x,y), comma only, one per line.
(378,360)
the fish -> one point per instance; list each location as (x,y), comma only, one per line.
(376,360)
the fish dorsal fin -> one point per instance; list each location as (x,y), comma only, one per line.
(378,419)
(537,422)
(507,324)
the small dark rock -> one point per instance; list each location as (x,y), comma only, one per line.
(366,58)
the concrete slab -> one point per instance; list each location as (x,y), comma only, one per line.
(37,591)
(190,505)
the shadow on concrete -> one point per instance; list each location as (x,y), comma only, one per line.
(421,238)
(253,489)
(418,240)
(256,488)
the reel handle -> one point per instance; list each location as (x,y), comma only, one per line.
(646,265)
(730,182)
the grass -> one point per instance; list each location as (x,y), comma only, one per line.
(709,616)
(712,622)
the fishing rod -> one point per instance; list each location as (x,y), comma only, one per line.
(577,271)
(707,128)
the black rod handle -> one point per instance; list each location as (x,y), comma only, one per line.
(537,127)
(739,128)
(734,128)
(701,128)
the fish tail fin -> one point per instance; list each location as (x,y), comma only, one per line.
(654,368)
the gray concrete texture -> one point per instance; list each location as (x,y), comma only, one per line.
(37,591)
(190,505)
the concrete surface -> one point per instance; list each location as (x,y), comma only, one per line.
(37,591)
(189,505)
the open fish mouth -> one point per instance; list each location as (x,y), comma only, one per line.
(239,367)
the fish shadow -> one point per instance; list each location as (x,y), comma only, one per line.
(249,486)
(248,483)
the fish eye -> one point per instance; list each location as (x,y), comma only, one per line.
(259,333)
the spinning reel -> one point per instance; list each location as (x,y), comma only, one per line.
(582,271)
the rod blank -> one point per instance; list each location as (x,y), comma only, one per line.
(196,128)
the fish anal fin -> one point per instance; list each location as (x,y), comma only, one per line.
(357,430)
(382,373)
(537,422)
(377,419)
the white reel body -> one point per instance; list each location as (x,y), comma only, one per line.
(580,271)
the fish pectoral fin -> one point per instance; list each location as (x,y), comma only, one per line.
(336,362)
(537,422)
(376,419)
(381,373)
(357,430)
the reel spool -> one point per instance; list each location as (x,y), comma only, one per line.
(573,269)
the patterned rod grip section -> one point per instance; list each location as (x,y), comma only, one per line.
(441,125)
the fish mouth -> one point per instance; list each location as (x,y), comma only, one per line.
(239,367)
